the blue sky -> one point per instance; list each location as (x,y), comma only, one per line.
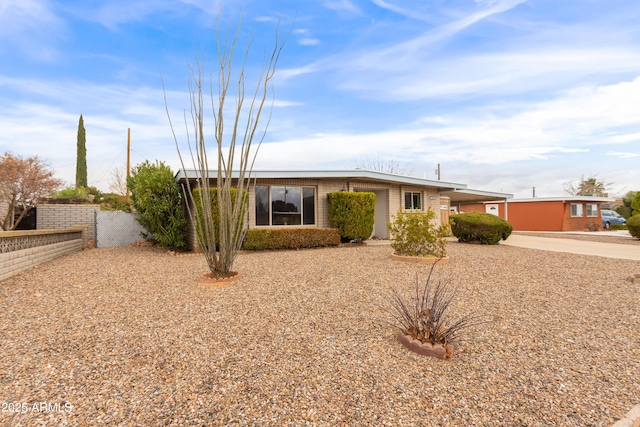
(505,94)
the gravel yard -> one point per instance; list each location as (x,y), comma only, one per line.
(127,336)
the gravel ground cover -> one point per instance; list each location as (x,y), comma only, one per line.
(623,240)
(127,336)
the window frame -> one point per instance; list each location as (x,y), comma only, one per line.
(592,214)
(412,195)
(579,207)
(304,215)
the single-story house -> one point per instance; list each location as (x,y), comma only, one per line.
(571,213)
(298,198)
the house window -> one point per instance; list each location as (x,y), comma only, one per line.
(592,209)
(285,205)
(576,209)
(412,200)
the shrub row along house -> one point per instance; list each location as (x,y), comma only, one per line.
(280,199)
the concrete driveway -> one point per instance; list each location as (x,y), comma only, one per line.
(582,247)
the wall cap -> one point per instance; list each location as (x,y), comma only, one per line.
(25,233)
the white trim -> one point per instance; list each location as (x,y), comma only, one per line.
(340,174)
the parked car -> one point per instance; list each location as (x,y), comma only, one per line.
(611,217)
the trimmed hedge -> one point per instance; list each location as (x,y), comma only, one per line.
(633,224)
(215,213)
(260,239)
(481,227)
(352,213)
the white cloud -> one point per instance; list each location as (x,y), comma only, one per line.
(623,155)
(308,41)
(117,12)
(341,6)
(485,143)
(32,26)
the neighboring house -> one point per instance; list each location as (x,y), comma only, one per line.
(571,213)
(299,198)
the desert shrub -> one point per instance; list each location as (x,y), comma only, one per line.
(258,239)
(215,212)
(426,315)
(157,201)
(415,234)
(633,224)
(618,227)
(352,213)
(480,227)
(593,226)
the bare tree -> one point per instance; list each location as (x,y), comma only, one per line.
(587,186)
(22,183)
(118,183)
(244,134)
(384,165)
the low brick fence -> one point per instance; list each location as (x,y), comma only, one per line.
(20,250)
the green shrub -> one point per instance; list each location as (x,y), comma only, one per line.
(633,224)
(618,227)
(114,202)
(415,234)
(625,211)
(215,212)
(635,204)
(259,239)
(70,193)
(480,227)
(352,213)
(158,203)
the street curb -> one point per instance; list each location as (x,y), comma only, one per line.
(632,419)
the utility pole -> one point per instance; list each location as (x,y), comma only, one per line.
(438,171)
(128,160)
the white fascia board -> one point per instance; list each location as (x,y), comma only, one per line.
(585,199)
(338,174)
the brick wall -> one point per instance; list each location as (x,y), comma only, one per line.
(56,217)
(21,250)
(581,223)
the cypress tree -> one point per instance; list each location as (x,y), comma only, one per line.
(81,161)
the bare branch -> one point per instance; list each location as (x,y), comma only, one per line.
(219,212)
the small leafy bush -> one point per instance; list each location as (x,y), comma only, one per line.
(215,212)
(618,227)
(352,213)
(260,239)
(114,202)
(157,201)
(415,234)
(426,316)
(480,227)
(633,224)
